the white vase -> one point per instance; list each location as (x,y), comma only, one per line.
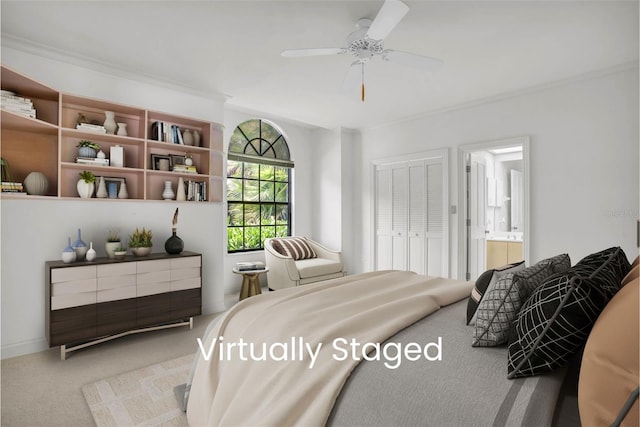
(168,193)
(181,195)
(91,253)
(187,137)
(36,183)
(123,193)
(196,138)
(109,247)
(110,122)
(102,193)
(122,129)
(85,189)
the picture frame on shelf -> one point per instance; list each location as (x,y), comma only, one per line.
(177,160)
(161,162)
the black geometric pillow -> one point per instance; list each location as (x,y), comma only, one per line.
(502,302)
(615,266)
(482,283)
(553,324)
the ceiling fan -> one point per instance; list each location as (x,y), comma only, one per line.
(367,41)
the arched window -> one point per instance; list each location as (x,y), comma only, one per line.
(258,186)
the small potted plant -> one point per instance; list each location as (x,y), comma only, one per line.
(119,252)
(113,242)
(86,184)
(140,242)
(87,148)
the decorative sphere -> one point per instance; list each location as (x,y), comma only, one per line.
(36,184)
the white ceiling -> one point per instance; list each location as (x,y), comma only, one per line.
(233,48)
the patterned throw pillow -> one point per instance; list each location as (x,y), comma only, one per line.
(554,323)
(559,263)
(482,284)
(294,247)
(501,304)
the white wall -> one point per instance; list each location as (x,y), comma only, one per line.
(34,231)
(584,160)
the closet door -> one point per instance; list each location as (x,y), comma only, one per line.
(399,212)
(436,250)
(383,213)
(417,216)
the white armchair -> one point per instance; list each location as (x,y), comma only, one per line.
(285,271)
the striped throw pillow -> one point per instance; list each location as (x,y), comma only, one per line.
(294,247)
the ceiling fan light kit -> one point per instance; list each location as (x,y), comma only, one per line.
(367,41)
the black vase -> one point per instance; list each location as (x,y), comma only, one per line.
(174,245)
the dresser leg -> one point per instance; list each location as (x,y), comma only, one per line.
(63,352)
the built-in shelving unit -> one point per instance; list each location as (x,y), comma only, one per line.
(48,143)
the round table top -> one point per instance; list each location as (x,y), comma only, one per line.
(257,271)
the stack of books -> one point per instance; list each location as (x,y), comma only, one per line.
(88,127)
(164,132)
(249,266)
(184,169)
(92,161)
(17,104)
(12,187)
(196,191)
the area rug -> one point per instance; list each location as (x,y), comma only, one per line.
(143,397)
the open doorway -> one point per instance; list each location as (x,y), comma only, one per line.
(494,201)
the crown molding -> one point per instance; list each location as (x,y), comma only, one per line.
(626,66)
(65,56)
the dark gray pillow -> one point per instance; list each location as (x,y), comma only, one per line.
(502,301)
(482,284)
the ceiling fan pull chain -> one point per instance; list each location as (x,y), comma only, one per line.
(363,82)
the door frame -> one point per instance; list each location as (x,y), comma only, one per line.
(443,155)
(463,151)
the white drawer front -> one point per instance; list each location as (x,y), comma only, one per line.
(72,273)
(154,265)
(73,300)
(73,287)
(154,277)
(109,270)
(192,261)
(153,288)
(116,282)
(117,294)
(185,273)
(179,285)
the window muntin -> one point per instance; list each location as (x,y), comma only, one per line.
(258,186)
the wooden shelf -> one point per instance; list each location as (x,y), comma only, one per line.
(49,143)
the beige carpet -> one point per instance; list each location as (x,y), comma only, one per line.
(143,397)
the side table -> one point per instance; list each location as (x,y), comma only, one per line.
(250,282)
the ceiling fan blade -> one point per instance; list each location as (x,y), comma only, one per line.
(300,53)
(412,60)
(390,14)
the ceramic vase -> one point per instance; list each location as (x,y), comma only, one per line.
(181,194)
(68,254)
(187,137)
(122,129)
(85,189)
(123,193)
(102,193)
(174,245)
(80,248)
(110,122)
(91,253)
(196,138)
(141,251)
(36,184)
(86,152)
(109,248)
(168,193)
(101,155)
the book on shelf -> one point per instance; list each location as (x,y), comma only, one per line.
(88,127)
(12,187)
(196,191)
(92,161)
(184,169)
(165,132)
(250,266)
(18,105)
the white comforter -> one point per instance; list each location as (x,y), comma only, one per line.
(293,332)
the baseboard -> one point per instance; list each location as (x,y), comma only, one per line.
(23,347)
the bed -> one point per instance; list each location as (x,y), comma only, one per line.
(442,380)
